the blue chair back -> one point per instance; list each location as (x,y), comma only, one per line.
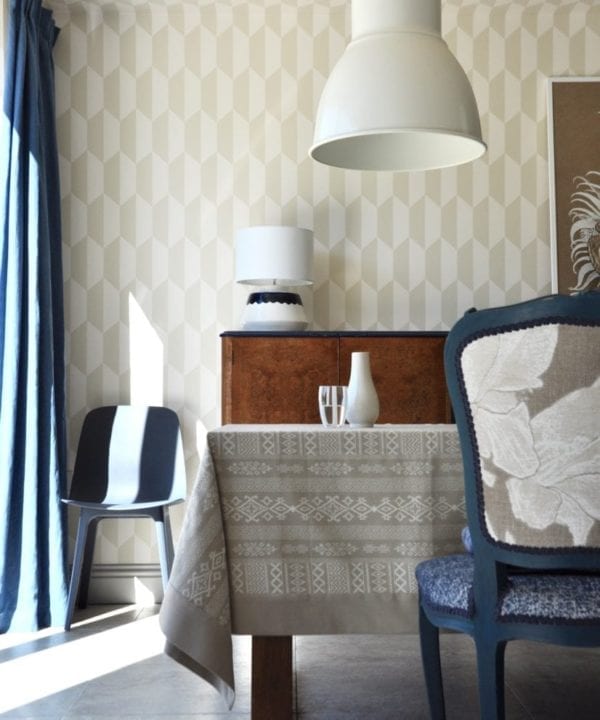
(525,387)
(524,381)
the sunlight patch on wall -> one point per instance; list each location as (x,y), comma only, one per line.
(201,432)
(146,359)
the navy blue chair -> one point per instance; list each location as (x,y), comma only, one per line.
(524,381)
(129,464)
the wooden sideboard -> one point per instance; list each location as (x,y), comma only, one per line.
(273,377)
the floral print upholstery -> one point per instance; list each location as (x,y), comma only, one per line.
(537,427)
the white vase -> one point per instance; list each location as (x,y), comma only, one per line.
(362,404)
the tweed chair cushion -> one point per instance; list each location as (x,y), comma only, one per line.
(446,585)
(552,597)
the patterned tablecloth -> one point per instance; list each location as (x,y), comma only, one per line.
(297,529)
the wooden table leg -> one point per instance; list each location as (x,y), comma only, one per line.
(272,678)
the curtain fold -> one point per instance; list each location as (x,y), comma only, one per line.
(32,387)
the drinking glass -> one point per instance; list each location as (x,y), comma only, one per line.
(332,404)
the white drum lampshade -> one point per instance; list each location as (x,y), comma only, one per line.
(275,258)
(397,99)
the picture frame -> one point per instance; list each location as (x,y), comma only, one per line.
(574,172)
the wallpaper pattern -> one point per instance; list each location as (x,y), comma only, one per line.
(182,121)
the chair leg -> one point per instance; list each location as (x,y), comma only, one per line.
(430,653)
(165,544)
(78,559)
(86,568)
(490,668)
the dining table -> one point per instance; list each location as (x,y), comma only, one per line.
(302,530)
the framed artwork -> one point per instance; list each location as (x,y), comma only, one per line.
(574,164)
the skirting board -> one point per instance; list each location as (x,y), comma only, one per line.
(116,584)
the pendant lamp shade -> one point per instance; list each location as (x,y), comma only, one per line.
(397,99)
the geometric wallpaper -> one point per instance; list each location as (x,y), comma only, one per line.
(180,122)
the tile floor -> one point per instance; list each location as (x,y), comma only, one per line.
(111,667)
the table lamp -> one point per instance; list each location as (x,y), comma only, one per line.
(275,258)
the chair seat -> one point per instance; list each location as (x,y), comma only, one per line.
(137,507)
(446,585)
(568,598)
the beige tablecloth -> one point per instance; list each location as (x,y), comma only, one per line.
(297,529)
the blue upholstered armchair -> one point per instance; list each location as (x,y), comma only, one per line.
(525,387)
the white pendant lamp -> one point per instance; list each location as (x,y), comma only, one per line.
(397,98)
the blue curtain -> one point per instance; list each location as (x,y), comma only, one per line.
(32,414)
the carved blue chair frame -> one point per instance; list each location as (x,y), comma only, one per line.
(518,581)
